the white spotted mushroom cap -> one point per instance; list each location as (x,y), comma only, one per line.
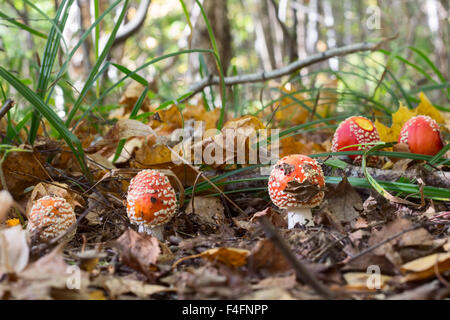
(151,199)
(422,135)
(296,181)
(51,216)
(355,130)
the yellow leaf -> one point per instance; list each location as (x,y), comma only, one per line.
(230,256)
(289,109)
(12,222)
(425,267)
(244,122)
(403,114)
(426,108)
(97,295)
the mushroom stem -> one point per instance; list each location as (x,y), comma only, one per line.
(302,216)
(156,231)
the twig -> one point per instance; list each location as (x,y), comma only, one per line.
(301,270)
(6,107)
(134,25)
(379,244)
(286,70)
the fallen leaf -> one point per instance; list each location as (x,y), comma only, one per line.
(358,281)
(138,251)
(128,128)
(269,294)
(403,114)
(50,277)
(116,286)
(423,292)
(276,219)
(57,189)
(14,250)
(345,202)
(209,211)
(424,267)
(22,170)
(277,282)
(416,237)
(6,202)
(233,257)
(265,256)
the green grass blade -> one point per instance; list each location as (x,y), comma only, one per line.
(137,106)
(98,63)
(72,141)
(23,26)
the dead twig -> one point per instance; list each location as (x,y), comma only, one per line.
(379,244)
(290,68)
(6,107)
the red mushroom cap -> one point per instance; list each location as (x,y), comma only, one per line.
(422,135)
(52,215)
(151,200)
(296,181)
(355,130)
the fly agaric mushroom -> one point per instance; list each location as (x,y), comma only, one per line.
(52,216)
(355,130)
(422,135)
(296,183)
(151,202)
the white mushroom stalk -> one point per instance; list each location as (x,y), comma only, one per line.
(302,216)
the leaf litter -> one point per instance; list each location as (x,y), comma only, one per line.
(211,250)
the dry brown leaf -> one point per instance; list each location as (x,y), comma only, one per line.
(265,256)
(417,237)
(358,281)
(49,276)
(22,170)
(426,267)
(131,95)
(276,219)
(209,211)
(277,282)
(128,128)
(138,251)
(345,203)
(233,257)
(116,286)
(43,189)
(269,294)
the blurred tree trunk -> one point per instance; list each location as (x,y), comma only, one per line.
(217,13)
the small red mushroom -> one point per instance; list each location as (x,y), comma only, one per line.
(297,184)
(422,135)
(51,216)
(355,130)
(151,202)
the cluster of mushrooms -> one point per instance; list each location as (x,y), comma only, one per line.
(296,182)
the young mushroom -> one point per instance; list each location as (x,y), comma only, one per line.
(422,135)
(51,216)
(151,202)
(355,130)
(296,183)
